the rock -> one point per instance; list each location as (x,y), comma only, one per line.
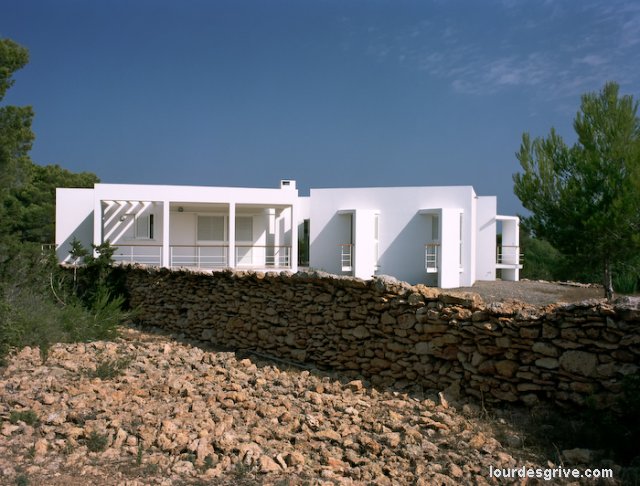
(529,332)
(361,332)
(328,435)
(547,363)
(579,362)
(455,471)
(578,456)
(40,447)
(249,453)
(355,385)
(267,465)
(392,439)
(423,348)
(546,349)
(506,368)
(48,399)
(443,400)
(294,458)
(8,429)
(477,441)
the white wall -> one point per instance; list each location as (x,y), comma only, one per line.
(403,230)
(195,194)
(450,264)
(364,262)
(124,232)
(74,218)
(486,239)
(183,228)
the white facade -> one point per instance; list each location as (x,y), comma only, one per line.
(444,236)
(183,226)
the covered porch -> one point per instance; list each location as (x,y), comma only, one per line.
(199,235)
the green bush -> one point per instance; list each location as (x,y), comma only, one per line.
(110,368)
(42,304)
(97,442)
(626,278)
(541,260)
(29,417)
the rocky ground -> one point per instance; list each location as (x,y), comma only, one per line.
(535,292)
(147,409)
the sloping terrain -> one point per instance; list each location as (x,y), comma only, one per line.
(149,410)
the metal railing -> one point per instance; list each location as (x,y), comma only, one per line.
(346,257)
(206,256)
(47,248)
(508,255)
(259,256)
(431,257)
(199,256)
(143,254)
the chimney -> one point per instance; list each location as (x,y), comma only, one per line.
(287,184)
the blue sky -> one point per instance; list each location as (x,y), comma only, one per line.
(332,93)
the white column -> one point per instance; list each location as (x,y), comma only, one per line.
(364,243)
(232,236)
(449,270)
(166,226)
(97,223)
(294,239)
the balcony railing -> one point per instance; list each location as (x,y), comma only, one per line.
(199,256)
(206,256)
(346,257)
(431,257)
(143,254)
(509,256)
(263,256)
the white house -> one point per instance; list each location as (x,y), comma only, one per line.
(183,226)
(444,236)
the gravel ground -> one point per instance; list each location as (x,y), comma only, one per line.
(535,292)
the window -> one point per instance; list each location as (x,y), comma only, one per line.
(435,230)
(144,227)
(244,228)
(210,228)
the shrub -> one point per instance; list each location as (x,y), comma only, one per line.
(42,304)
(97,442)
(541,260)
(29,417)
(626,278)
(110,368)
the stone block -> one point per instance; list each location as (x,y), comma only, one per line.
(506,368)
(547,349)
(579,362)
(547,363)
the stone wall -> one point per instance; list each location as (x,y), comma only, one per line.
(407,336)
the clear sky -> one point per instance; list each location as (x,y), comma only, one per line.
(332,93)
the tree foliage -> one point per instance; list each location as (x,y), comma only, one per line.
(585,199)
(30,208)
(27,190)
(16,136)
(40,303)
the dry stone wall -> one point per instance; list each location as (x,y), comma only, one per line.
(401,335)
